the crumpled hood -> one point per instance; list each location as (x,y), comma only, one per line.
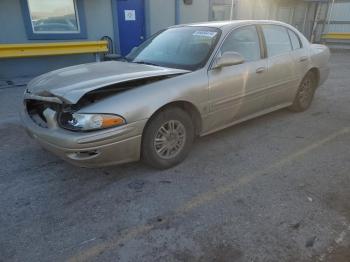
(71,83)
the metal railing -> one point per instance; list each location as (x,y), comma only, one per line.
(336,36)
(53,49)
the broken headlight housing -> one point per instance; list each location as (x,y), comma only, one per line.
(89,122)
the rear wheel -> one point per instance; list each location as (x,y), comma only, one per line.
(167,138)
(305,93)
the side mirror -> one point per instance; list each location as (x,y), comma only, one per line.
(228,59)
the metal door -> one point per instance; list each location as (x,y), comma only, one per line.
(131,24)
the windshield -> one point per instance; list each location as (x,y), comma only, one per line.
(180,47)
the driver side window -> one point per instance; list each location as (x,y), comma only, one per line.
(244,41)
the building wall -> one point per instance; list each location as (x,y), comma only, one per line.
(197,12)
(99,19)
(244,10)
(335,18)
(11,22)
(99,23)
(160,14)
(340,15)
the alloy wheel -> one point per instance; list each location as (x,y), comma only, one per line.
(170,139)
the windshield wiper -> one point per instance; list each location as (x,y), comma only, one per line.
(145,63)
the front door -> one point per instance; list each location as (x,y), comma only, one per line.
(131,24)
(238,91)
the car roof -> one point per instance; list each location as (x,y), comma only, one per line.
(233,23)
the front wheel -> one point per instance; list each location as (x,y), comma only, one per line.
(305,93)
(168,138)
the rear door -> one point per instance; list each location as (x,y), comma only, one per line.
(238,91)
(281,67)
(300,55)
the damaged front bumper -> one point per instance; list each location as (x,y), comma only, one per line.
(88,149)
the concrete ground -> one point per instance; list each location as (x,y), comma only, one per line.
(276,188)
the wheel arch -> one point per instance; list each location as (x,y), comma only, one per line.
(316,72)
(188,107)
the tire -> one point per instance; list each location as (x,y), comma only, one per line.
(305,93)
(167,138)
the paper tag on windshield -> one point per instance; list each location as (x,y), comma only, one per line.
(205,33)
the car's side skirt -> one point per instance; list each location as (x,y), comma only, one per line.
(264,112)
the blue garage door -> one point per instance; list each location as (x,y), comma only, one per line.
(131,21)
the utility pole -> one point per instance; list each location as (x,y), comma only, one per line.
(316,19)
(330,16)
(232,6)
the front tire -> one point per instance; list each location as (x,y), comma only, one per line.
(305,93)
(167,138)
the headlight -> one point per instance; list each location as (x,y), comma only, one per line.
(89,122)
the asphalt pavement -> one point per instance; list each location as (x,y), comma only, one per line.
(276,188)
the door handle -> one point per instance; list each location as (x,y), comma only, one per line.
(260,70)
(303,58)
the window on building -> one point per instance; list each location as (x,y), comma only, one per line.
(53,16)
(245,41)
(54,19)
(277,39)
(221,9)
(296,43)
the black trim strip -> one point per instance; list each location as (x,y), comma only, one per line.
(263,49)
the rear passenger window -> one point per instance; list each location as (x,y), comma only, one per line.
(277,40)
(245,41)
(296,44)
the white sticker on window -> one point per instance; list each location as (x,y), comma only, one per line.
(130,15)
(205,33)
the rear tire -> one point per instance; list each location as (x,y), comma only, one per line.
(305,93)
(167,138)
